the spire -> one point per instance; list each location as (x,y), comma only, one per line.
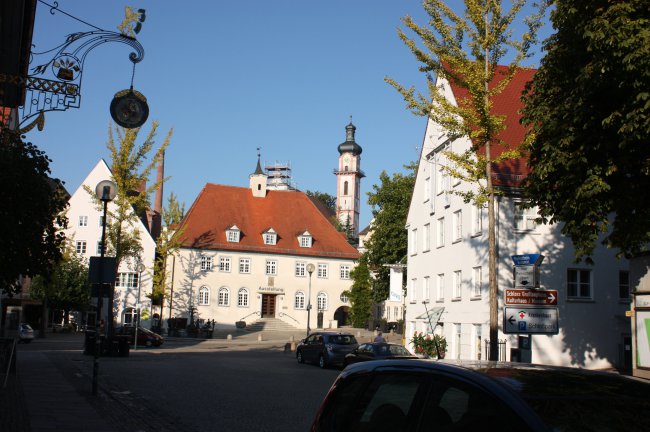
(350,146)
(258,170)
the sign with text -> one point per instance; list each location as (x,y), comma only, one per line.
(531,297)
(531,320)
(527,259)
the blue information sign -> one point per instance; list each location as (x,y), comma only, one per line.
(527,259)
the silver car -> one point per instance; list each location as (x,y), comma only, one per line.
(25,333)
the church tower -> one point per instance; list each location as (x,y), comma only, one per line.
(348,183)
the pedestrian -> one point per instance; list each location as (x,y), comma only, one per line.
(379,338)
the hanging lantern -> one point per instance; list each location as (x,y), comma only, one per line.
(129,108)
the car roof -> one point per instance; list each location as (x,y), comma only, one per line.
(332,334)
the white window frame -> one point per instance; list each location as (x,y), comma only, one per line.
(440,232)
(426,289)
(206,263)
(458,285)
(440,287)
(412,293)
(580,284)
(299,300)
(225,264)
(83,221)
(477,282)
(223,297)
(323,271)
(477,220)
(305,241)
(457,225)
(81,247)
(232,236)
(301,269)
(270,238)
(524,219)
(426,238)
(271,267)
(126,280)
(242,297)
(344,271)
(204,296)
(244,265)
(99,248)
(321,301)
(414,241)
(427,189)
(344,298)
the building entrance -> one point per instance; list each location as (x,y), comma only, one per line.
(268,305)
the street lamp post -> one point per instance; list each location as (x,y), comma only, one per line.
(140,269)
(310,270)
(105,192)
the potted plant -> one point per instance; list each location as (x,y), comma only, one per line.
(429,346)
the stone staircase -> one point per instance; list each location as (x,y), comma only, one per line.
(270,324)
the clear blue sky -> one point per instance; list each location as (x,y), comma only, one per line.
(231,76)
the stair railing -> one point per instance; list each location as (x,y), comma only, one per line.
(282,314)
(254,313)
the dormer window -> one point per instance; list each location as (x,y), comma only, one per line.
(233,234)
(270,237)
(305,239)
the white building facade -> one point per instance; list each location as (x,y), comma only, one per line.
(448,266)
(84,233)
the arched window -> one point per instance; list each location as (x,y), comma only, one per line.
(345,188)
(204,296)
(299,302)
(224,297)
(344,298)
(130,316)
(242,297)
(322,301)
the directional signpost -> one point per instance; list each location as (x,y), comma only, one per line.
(531,297)
(531,320)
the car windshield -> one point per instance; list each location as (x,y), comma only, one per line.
(343,340)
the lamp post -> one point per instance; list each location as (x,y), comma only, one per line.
(140,269)
(310,270)
(105,192)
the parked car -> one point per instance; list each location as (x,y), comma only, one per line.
(25,333)
(326,348)
(426,395)
(377,351)
(145,336)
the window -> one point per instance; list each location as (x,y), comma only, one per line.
(427,189)
(204,296)
(301,268)
(83,221)
(412,291)
(244,265)
(322,271)
(477,281)
(99,247)
(459,338)
(271,267)
(458,284)
(440,234)
(130,316)
(81,247)
(578,284)
(525,217)
(624,285)
(224,297)
(426,289)
(299,300)
(440,287)
(242,297)
(305,241)
(478,341)
(224,264)
(440,180)
(426,238)
(457,225)
(477,220)
(206,263)
(414,241)
(270,238)
(126,280)
(344,271)
(345,188)
(101,220)
(344,298)
(232,235)
(321,301)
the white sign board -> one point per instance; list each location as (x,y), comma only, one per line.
(395,290)
(542,320)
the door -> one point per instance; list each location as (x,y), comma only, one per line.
(268,305)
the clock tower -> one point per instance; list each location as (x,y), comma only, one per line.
(348,183)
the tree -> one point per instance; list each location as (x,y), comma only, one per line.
(589,108)
(466,50)
(65,287)
(31,214)
(325,198)
(360,294)
(388,241)
(130,170)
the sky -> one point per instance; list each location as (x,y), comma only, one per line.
(232,76)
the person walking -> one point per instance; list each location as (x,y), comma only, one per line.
(379,337)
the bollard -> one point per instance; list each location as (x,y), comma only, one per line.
(229,337)
(291,339)
(259,337)
(358,334)
(293,346)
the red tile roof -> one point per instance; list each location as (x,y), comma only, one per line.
(289,213)
(507,103)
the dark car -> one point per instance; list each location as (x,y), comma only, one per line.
(427,395)
(326,348)
(145,336)
(377,351)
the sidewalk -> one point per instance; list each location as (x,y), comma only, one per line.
(48,395)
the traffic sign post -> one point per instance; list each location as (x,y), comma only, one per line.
(531,297)
(531,320)
(526,270)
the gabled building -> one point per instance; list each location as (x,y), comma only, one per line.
(246,254)
(84,233)
(448,263)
